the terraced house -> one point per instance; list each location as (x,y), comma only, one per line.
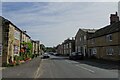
(10,40)
(13,42)
(36,47)
(60,49)
(81,40)
(105,43)
(68,46)
(1,41)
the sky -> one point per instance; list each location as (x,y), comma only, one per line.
(53,22)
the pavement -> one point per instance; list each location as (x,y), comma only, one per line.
(60,67)
(1,68)
(26,70)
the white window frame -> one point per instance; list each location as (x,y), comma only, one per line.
(119,50)
(1,49)
(109,37)
(76,47)
(70,45)
(94,51)
(110,51)
(85,38)
(93,41)
(16,51)
(80,39)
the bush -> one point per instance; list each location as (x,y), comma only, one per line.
(10,65)
(21,58)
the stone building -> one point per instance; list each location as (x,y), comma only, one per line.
(67,47)
(36,47)
(12,41)
(81,40)
(105,43)
(59,49)
(1,41)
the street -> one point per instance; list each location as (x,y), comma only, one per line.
(58,67)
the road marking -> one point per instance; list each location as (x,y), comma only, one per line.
(86,69)
(72,62)
(67,61)
(37,72)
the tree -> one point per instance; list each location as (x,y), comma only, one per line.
(50,49)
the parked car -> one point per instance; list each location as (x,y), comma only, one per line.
(45,55)
(76,56)
(51,53)
(56,54)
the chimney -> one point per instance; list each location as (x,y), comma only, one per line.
(73,38)
(114,18)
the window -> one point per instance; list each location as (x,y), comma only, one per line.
(0,49)
(70,50)
(119,50)
(94,51)
(109,51)
(109,37)
(64,46)
(76,48)
(76,41)
(93,41)
(84,37)
(80,39)
(69,45)
(15,49)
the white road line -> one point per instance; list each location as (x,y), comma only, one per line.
(37,72)
(68,61)
(72,62)
(86,69)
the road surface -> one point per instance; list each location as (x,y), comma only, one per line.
(59,67)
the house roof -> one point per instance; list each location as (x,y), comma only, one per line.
(3,20)
(107,30)
(86,31)
(89,30)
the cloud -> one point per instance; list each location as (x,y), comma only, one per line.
(0,8)
(54,22)
(60,0)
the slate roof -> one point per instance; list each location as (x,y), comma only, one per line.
(89,30)
(3,21)
(107,30)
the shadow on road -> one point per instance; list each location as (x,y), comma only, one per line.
(104,64)
(110,65)
(55,58)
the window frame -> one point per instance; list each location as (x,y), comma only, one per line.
(109,51)
(109,37)
(94,51)
(1,49)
